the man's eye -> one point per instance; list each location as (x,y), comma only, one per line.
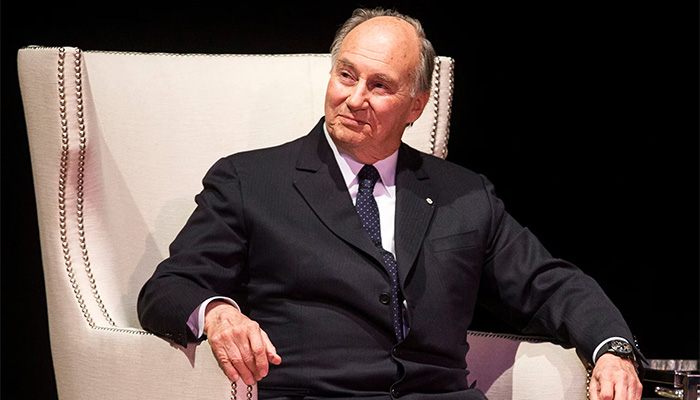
(382,87)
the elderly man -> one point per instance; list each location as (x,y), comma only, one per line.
(361,258)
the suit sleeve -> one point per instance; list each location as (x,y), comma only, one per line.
(541,295)
(207,258)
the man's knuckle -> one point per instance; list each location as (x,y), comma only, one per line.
(235,330)
(258,349)
(223,358)
(248,359)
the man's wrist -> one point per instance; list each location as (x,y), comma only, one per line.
(616,346)
(196,320)
(214,304)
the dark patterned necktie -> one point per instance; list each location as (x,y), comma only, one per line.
(368,212)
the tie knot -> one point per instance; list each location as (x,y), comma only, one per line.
(368,176)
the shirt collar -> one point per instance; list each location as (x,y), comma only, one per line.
(349,167)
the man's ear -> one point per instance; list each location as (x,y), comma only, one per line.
(419,102)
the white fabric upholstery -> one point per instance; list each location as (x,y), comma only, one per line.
(152,124)
(524,368)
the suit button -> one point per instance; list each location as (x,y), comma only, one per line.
(395,393)
(384,298)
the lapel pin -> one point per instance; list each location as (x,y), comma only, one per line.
(429,201)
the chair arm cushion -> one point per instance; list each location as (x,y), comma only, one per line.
(130,363)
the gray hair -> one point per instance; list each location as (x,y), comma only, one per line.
(423,73)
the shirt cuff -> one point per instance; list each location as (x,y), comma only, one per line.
(600,346)
(196,320)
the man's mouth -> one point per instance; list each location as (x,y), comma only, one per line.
(350,120)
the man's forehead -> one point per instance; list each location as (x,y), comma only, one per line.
(384,39)
(384,29)
(387,21)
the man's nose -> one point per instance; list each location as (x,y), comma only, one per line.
(357,98)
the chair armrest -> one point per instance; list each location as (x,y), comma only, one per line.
(524,367)
(130,363)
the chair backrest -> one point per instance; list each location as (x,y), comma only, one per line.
(152,124)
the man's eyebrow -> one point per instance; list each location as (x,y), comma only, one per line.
(345,64)
(385,78)
(379,76)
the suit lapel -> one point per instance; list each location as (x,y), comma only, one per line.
(415,197)
(320,182)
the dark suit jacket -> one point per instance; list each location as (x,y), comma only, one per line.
(276,230)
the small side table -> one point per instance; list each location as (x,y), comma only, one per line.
(674,379)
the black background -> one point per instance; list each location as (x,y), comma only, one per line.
(583,114)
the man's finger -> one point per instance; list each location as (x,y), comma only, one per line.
(633,389)
(632,392)
(257,361)
(272,355)
(607,390)
(241,366)
(224,360)
(593,389)
(230,371)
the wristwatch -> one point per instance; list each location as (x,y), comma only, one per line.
(619,348)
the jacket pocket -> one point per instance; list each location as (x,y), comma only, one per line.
(453,242)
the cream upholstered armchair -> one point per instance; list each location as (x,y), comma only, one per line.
(119,144)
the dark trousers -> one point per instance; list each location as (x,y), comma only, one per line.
(470,394)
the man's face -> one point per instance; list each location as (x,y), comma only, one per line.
(368,99)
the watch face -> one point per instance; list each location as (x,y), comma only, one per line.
(618,346)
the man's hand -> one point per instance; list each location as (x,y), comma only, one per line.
(242,349)
(614,378)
